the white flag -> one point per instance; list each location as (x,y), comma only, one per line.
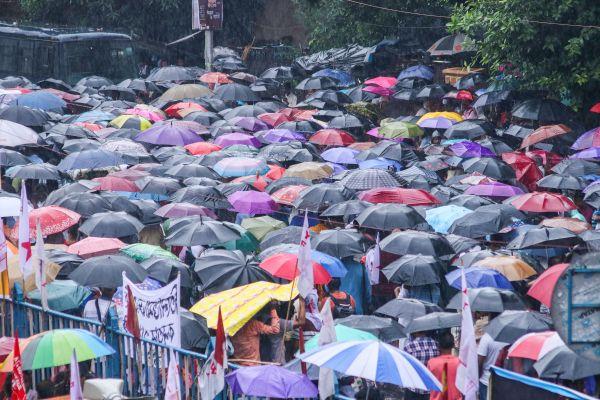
(195,14)
(75,390)
(326,335)
(306,280)
(173,388)
(467,374)
(24,238)
(373,262)
(212,376)
(40,269)
(3,250)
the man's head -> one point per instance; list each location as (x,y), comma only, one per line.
(446,342)
(334,285)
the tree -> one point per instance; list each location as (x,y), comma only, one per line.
(562,59)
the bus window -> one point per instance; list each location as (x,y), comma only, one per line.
(25,57)
(44,60)
(8,51)
(114,60)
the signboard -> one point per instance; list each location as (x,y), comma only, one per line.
(207,14)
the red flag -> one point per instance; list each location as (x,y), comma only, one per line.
(132,324)
(220,341)
(18,384)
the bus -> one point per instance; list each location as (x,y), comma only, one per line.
(40,53)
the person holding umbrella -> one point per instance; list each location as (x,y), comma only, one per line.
(246,342)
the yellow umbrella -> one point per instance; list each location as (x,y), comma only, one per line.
(185,91)
(513,268)
(309,170)
(239,305)
(446,114)
(121,120)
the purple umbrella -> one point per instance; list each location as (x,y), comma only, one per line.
(249,123)
(280,136)
(231,139)
(495,189)
(468,149)
(588,154)
(373,132)
(589,139)
(337,168)
(168,134)
(436,123)
(180,210)
(340,155)
(271,381)
(252,203)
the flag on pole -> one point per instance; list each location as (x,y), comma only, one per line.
(373,262)
(173,387)
(306,280)
(3,249)
(195,15)
(75,384)
(24,238)
(132,322)
(18,383)
(467,374)
(326,335)
(40,269)
(212,376)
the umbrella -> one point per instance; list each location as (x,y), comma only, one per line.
(365,179)
(40,100)
(405,310)
(562,182)
(417,71)
(252,203)
(165,270)
(511,267)
(231,139)
(199,195)
(240,166)
(285,266)
(410,197)
(576,167)
(13,134)
(309,170)
(283,73)
(511,325)
(62,295)
(83,203)
(270,381)
(22,115)
(542,288)
(287,235)
(434,321)
(178,210)
(414,270)
(143,251)
(111,224)
(342,334)
(332,137)
(587,140)
(107,271)
(479,224)
(542,202)
(488,300)
(201,233)
(348,210)
(316,83)
(94,81)
(535,345)
(168,134)
(490,167)
(95,246)
(564,363)
(544,133)
(468,149)
(397,130)
(339,243)
(543,237)
(115,184)
(235,92)
(220,270)
(375,361)
(332,265)
(90,159)
(451,45)
(546,110)
(52,219)
(442,218)
(183,171)
(478,277)
(390,216)
(416,242)
(434,91)
(470,201)
(288,194)
(320,196)
(42,171)
(340,155)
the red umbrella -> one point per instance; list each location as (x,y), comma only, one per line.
(535,345)
(290,112)
(305,115)
(595,108)
(543,133)
(526,170)
(275,172)
(173,110)
(202,148)
(273,119)
(53,219)
(548,158)
(543,202)
(256,181)
(382,81)
(115,184)
(541,289)
(89,126)
(130,174)
(411,197)
(285,266)
(287,195)
(215,77)
(96,246)
(331,137)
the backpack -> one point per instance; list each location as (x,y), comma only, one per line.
(342,307)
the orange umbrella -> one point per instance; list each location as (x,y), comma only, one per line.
(362,146)
(287,195)
(572,224)
(332,137)
(305,115)
(513,268)
(202,148)
(215,78)
(275,172)
(273,119)
(543,133)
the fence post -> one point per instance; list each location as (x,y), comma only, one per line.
(113,362)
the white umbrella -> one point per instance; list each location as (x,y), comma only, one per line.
(13,134)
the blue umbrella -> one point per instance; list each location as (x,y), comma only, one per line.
(375,361)
(90,159)
(40,100)
(343,78)
(417,71)
(333,265)
(441,218)
(379,163)
(340,155)
(94,116)
(478,277)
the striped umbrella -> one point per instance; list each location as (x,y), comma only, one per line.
(375,361)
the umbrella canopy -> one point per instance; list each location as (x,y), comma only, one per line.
(405,310)
(488,300)
(13,134)
(542,202)
(434,321)
(343,334)
(414,270)
(107,271)
(390,216)
(543,287)
(511,325)
(411,197)
(543,237)
(375,361)
(365,179)
(111,224)
(235,92)
(490,167)
(511,267)
(52,219)
(546,110)
(83,203)
(165,269)
(332,137)
(417,242)
(442,218)
(285,266)
(535,345)
(143,251)
(201,233)
(271,381)
(564,363)
(478,277)
(62,295)
(338,242)
(544,133)
(90,159)
(478,224)
(95,246)
(168,134)
(563,182)
(320,196)
(252,203)
(42,171)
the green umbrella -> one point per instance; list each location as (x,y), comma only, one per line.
(141,251)
(400,129)
(260,226)
(343,334)
(247,243)
(62,295)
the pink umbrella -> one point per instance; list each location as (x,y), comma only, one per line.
(494,189)
(382,81)
(149,115)
(250,123)
(252,202)
(378,90)
(179,210)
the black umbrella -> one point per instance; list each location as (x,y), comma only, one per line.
(365,179)
(434,321)
(444,193)
(386,329)
(491,98)
(576,167)
(320,196)
(201,233)
(564,363)
(406,95)
(543,236)
(348,209)
(229,64)
(309,127)
(286,152)
(357,94)
(67,261)
(490,167)
(139,85)
(23,115)
(42,171)
(207,196)
(288,235)
(10,158)
(479,224)
(488,300)
(562,182)
(390,216)
(227,189)
(434,91)
(51,83)
(545,110)
(495,145)
(107,271)
(118,93)
(80,186)
(235,92)
(460,243)
(94,81)
(220,270)
(339,243)
(414,270)
(471,81)
(243,111)
(417,242)
(469,129)
(591,239)
(411,83)
(405,310)
(518,131)
(111,224)
(280,73)
(386,149)
(166,269)
(69,130)
(147,208)
(78,145)
(470,201)
(507,210)
(511,325)
(194,331)
(182,171)
(121,203)
(171,73)
(84,203)
(202,117)
(347,121)
(316,83)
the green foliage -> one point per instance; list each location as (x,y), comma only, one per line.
(565,60)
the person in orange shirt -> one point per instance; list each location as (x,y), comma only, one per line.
(444,368)
(342,304)
(246,342)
